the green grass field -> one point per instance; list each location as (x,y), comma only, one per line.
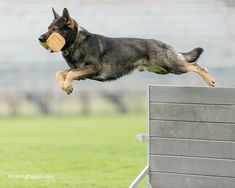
(76,152)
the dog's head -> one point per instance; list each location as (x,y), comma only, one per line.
(61,32)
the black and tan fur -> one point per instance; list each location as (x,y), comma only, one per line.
(93,56)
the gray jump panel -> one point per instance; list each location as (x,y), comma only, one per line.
(192,112)
(191,137)
(193,165)
(194,148)
(191,95)
(174,180)
(192,130)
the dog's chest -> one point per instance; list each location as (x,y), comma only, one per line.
(74,59)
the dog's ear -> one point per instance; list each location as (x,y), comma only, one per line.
(56,16)
(68,20)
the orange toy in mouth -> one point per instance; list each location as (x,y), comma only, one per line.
(55,42)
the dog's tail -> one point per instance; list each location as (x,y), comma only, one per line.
(193,55)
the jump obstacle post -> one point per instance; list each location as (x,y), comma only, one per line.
(191,138)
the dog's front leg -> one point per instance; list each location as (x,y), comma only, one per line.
(61,76)
(77,74)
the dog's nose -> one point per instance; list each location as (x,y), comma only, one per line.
(41,39)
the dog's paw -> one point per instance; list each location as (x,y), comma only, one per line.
(210,81)
(67,87)
(60,78)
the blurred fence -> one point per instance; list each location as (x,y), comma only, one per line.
(84,103)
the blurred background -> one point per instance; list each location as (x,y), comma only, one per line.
(27,71)
(79,138)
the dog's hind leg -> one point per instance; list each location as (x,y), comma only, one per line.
(189,61)
(202,72)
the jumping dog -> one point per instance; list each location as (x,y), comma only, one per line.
(96,57)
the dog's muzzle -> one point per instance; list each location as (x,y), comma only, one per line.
(54,43)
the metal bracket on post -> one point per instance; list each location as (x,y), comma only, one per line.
(142,137)
(145,171)
(138,179)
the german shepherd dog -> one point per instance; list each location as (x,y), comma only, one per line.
(102,58)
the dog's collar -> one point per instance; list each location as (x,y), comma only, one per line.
(66,51)
(80,36)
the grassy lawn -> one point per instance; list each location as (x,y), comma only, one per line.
(77,152)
